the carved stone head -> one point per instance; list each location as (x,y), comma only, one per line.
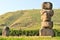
(47,5)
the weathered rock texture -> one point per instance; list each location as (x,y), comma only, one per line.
(46,24)
(46,32)
(46,15)
(5,31)
(47,5)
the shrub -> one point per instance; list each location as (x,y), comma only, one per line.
(24,32)
(28,32)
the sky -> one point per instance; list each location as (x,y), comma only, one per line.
(14,5)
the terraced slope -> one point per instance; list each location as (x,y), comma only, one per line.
(26,19)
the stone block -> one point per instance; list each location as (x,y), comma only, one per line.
(46,32)
(5,31)
(46,14)
(47,24)
(47,5)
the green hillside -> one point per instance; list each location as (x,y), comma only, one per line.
(27,19)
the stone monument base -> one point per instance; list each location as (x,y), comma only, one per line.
(46,32)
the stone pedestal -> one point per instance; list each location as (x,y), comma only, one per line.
(46,32)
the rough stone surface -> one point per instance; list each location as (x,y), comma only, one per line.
(5,31)
(46,32)
(46,15)
(48,24)
(47,5)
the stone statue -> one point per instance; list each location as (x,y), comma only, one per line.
(46,24)
(5,31)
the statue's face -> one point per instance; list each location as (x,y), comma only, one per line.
(47,5)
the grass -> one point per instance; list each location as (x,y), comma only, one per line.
(29,38)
